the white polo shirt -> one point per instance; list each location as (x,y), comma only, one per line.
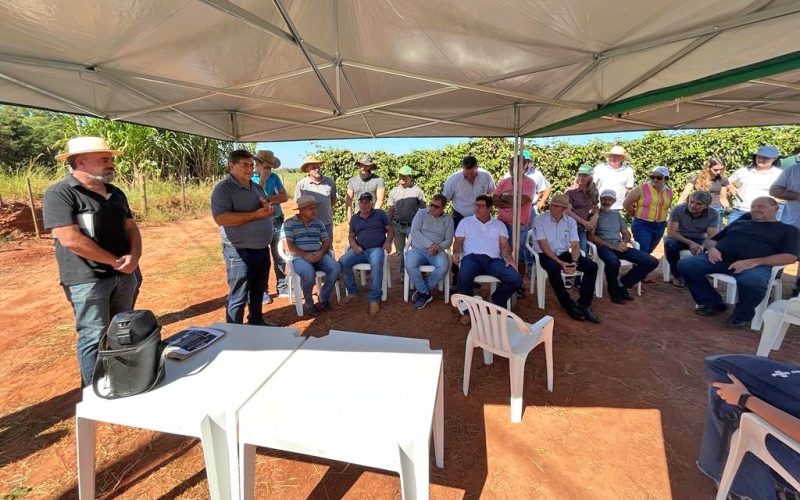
(463,194)
(558,234)
(753,184)
(616,179)
(480,238)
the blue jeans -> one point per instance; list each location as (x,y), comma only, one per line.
(647,233)
(751,284)
(417,257)
(247,279)
(643,264)
(94,304)
(672,251)
(277,261)
(373,257)
(473,265)
(329,230)
(308,276)
(553,270)
(523,254)
(583,243)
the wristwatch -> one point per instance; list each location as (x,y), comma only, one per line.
(742,403)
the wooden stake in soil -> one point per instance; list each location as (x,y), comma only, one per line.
(33,209)
(143,182)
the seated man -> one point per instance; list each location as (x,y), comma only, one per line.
(689,225)
(611,236)
(371,235)
(556,242)
(306,240)
(431,236)
(481,247)
(746,250)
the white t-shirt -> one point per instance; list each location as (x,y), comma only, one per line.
(753,184)
(558,234)
(616,179)
(480,238)
(463,194)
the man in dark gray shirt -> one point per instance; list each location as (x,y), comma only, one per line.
(611,236)
(244,216)
(689,225)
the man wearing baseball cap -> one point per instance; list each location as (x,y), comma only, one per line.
(365,182)
(97,243)
(305,239)
(405,200)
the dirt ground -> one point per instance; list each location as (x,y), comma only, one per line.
(624,420)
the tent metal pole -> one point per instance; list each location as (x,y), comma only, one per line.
(302,44)
(517,198)
(337,54)
(235,130)
(83,109)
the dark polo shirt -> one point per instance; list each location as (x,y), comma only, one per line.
(689,226)
(230,196)
(371,231)
(69,203)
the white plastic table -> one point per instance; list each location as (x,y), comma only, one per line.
(365,399)
(198,397)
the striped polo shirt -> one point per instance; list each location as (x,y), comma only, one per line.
(306,237)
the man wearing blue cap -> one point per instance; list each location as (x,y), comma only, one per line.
(755,180)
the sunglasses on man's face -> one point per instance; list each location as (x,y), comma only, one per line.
(657,177)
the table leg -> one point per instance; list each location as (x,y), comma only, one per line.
(85,431)
(438,422)
(247,470)
(213,436)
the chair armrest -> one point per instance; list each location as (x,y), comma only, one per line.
(756,428)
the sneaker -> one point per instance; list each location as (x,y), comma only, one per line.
(423,299)
(374,307)
(735,324)
(283,292)
(464,320)
(414,296)
(310,310)
(266,299)
(348,299)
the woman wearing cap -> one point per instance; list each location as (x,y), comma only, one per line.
(584,199)
(754,180)
(713,180)
(649,204)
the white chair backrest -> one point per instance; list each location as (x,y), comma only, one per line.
(489,321)
(773,275)
(792,308)
(408,244)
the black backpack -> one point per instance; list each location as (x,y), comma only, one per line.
(131,354)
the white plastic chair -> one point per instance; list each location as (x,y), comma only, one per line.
(501,332)
(751,436)
(665,269)
(730,292)
(293,280)
(538,274)
(777,318)
(601,269)
(363,268)
(485,278)
(408,284)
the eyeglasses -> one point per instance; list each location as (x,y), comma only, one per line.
(656,177)
(436,206)
(482,205)
(246,165)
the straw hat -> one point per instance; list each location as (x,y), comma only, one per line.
(306,200)
(618,150)
(310,160)
(81,145)
(561,200)
(268,158)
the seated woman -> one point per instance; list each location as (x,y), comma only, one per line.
(771,390)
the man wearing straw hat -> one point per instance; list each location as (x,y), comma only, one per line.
(321,187)
(97,242)
(365,182)
(615,174)
(405,200)
(264,176)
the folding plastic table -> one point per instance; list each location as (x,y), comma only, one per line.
(371,400)
(198,397)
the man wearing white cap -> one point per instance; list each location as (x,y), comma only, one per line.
(305,239)
(365,182)
(321,187)
(615,174)
(755,181)
(97,242)
(264,176)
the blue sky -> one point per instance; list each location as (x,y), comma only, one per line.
(292,153)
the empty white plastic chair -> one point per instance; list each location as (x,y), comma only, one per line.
(751,436)
(776,289)
(538,274)
(665,268)
(363,268)
(601,269)
(777,318)
(293,280)
(501,332)
(444,284)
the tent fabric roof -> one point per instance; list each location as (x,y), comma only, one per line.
(251,70)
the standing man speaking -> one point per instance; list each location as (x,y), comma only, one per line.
(97,242)
(244,216)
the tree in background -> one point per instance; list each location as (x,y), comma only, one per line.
(28,135)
